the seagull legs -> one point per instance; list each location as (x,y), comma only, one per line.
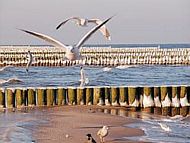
(101,139)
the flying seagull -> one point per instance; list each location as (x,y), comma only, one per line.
(84,22)
(72,52)
(30,59)
(103,132)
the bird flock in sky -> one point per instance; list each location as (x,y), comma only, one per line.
(72,52)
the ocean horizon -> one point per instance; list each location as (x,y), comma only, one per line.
(173,45)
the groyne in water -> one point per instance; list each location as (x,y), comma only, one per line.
(98,56)
(163,100)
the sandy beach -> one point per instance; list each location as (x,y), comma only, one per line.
(70,124)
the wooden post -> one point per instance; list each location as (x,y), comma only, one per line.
(89,96)
(25,96)
(165,100)
(2,97)
(41,95)
(107,96)
(123,96)
(148,102)
(72,96)
(19,98)
(133,98)
(61,96)
(175,101)
(81,95)
(188,95)
(115,96)
(31,96)
(157,103)
(98,96)
(184,110)
(51,96)
(10,97)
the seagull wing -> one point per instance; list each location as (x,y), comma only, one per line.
(103,29)
(93,30)
(62,23)
(46,38)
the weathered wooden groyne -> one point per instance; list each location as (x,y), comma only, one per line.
(99,56)
(163,100)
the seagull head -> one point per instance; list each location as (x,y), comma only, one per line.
(70,49)
(105,127)
(72,53)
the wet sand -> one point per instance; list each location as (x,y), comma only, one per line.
(70,124)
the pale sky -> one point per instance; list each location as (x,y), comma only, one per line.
(136,21)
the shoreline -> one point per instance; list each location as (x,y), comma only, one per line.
(70,124)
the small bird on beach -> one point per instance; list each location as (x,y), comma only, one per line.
(165,127)
(84,22)
(102,133)
(30,59)
(90,139)
(71,52)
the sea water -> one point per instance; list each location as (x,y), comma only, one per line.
(178,132)
(137,75)
(17,127)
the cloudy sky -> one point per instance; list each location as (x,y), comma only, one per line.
(136,21)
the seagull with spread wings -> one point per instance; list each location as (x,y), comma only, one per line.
(84,22)
(72,52)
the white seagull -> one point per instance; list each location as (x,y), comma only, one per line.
(30,59)
(103,132)
(84,22)
(83,79)
(72,52)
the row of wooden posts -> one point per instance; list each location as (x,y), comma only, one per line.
(102,56)
(164,100)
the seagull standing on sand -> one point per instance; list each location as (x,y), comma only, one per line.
(72,52)
(90,139)
(83,22)
(103,132)
(29,58)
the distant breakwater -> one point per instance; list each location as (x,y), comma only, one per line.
(162,100)
(98,56)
